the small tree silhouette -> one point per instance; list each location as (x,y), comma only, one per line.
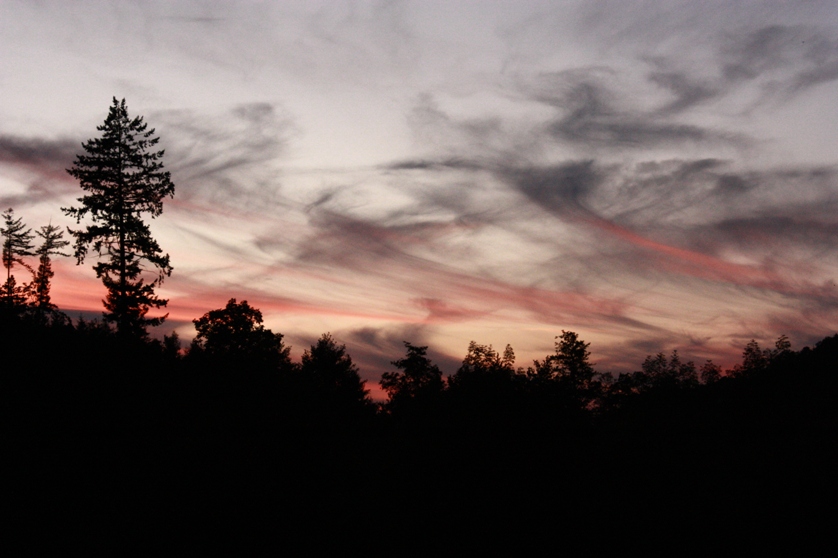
(567,373)
(51,245)
(235,334)
(485,375)
(333,374)
(659,371)
(419,380)
(569,365)
(710,372)
(756,360)
(17,243)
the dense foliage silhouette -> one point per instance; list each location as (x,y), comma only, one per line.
(234,335)
(235,434)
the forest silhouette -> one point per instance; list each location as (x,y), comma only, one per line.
(106,425)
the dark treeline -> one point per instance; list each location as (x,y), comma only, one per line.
(117,435)
(230,432)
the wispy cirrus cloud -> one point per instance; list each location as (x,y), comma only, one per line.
(589,114)
(795,57)
(653,178)
(227,158)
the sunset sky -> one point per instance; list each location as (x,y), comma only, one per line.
(651,175)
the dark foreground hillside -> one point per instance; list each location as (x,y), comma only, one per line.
(109,437)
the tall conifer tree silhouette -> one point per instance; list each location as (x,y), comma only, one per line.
(17,243)
(124,178)
(53,242)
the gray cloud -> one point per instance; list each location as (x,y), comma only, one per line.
(228,158)
(782,60)
(732,185)
(749,55)
(353,243)
(43,163)
(428,164)
(594,109)
(560,189)
(693,196)
(807,56)
(38,151)
(688,91)
(590,112)
(819,232)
